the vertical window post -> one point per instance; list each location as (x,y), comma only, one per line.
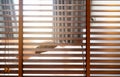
(88,38)
(20,65)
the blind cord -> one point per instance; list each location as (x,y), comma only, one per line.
(82,47)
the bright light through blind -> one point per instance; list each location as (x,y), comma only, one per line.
(38,19)
(53,36)
(105,38)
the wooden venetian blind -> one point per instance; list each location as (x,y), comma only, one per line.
(54,38)
(8,38)
(105,38)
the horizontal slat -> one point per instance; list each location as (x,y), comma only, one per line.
(11,72)
(93,5)
(10,66)
(8,32)
(10,21)
(54,4)
(93,49)
(32,44)
(74,61)
(98,33)
(105,0)
(42,44)
(105,27)
(106,33)
(26,43)
(25,21)
(63,66)
(43,4)
(46,72)
(4,4)
(60,55)
(106,22)
(105,55)
(9,55)
(105,72)
(53,72)
(106,49)
(54,61)
(105,61)
(9,27)
(62,44)
(61,60)
(54,32)
(60,10)
(9,60)
(55,76)
(105,38)
(54,27)
(45,55)
(43,49)
(105,44)
(11,38)
(53,66)
(105,66)
(9,76)
(8,43)
(41,38)
(109,75)
(105,10)
(69,16)
(106,16)
(79,55)
(45,60)
(60,49)
(43,16)
(38,21)
(47,10)
(13,49)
